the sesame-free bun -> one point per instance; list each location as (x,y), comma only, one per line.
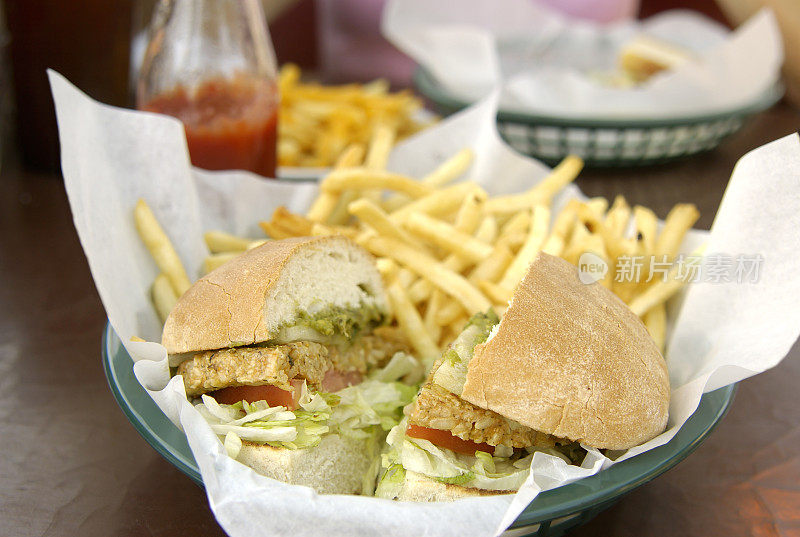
(417,487)
(337,465)
(246,300)
(571,360)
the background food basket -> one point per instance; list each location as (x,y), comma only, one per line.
(607,142)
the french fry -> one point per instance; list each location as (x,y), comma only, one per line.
(519,223)
(565,220)
(412,325)
(598,205)
(496,292)
(563,174)
(438,202)
(616,245)
(160,247)
(449,313)
(323,207)
(514,203)
(387,267)
(467,220)
(679,220)
(340,216)
(215,261)
(276,231)
(324,230)
(373,216)
(656,294)
(365,178)
(427,267)
(656,322)
(646,228)
(618,216)
(163,296)
(219,241)
(450,169)
(448,237)
(470,213)
(383,137)
(540,221)
(554,245)
(487,230)
(380,146)
(577,244)
(317,122)
(431,310)
(493,267)
(287,224)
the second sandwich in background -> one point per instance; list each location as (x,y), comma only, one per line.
(569,364)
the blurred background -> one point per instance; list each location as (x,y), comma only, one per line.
(96,45)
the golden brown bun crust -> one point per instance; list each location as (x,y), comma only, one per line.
(225,308)
(576,363)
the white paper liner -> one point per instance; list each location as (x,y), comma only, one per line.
(111,157)
(544,61)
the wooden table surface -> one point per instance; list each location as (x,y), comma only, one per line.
(71,464)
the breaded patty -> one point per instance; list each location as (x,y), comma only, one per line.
(278,364)
(437,408)
(239,366)
(366,352)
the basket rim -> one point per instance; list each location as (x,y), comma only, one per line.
(427,86)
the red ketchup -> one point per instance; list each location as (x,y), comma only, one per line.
(230,123)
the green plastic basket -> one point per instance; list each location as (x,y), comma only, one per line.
(551,514)
(607,142)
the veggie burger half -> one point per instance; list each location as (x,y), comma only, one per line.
(569,364)
(264,342)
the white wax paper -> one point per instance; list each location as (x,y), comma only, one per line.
(111,157)
(545,61)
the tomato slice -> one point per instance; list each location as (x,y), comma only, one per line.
(273,395)
(446,440)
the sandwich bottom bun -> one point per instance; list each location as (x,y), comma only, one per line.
(420,488)
(336,466)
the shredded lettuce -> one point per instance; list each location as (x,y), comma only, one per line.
(391,482)
(369,404)
(452,372)
(483,471)
(355,412)
(398,367)
(232,444)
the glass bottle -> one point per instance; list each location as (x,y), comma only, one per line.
(210,63)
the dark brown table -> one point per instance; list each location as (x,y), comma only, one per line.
(71,464)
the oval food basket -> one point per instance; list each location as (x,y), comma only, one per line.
(607,142)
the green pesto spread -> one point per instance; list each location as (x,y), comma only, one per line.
(338,321)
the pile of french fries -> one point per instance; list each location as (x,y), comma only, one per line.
(317,123)
(447,249)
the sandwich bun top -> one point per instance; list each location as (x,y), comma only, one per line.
(248,299)
(571,360)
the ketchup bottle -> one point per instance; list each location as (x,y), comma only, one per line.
(210,63)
